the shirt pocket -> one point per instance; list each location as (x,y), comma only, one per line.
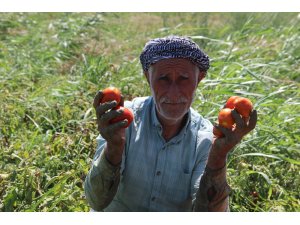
(184,182)
(187,166)
(179,189)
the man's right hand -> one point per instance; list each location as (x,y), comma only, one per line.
(114,134)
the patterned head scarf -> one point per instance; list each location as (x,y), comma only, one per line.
(173,47)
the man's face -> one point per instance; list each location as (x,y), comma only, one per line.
(173,83)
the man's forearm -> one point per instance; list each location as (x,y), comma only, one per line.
(101,183)
(213,192)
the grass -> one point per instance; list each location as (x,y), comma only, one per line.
(52,64)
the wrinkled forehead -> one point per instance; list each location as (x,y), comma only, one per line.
(181,65)
(177,67)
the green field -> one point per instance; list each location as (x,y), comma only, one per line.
(52,64)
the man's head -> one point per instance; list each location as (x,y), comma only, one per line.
(173,66)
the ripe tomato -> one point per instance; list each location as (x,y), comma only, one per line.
(254,194)
(225,118)
(230,102)
(217,132)
(111,94)
(127,114)
(243,106)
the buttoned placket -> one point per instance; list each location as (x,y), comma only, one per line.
(158,175)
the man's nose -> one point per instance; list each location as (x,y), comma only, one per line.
(173,90)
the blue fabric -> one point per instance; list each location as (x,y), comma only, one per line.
(157,175)
(173,47)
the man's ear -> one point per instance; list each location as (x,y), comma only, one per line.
(201,75)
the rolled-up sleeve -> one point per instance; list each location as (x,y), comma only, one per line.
(213,192)
(102,181)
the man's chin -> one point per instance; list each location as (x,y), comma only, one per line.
(172,111)
(173,115)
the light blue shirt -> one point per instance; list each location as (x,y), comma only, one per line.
(157,175)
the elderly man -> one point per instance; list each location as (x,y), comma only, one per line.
(167,159)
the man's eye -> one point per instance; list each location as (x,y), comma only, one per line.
(163,78)
(184,78)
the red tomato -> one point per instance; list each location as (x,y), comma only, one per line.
(111,94)
(243,106)
(127,114)
(230,102)
(225,118)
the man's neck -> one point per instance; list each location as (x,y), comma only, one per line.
(171,128)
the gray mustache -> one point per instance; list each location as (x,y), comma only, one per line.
(169,101)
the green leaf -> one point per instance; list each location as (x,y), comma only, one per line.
(265,176)
(10,200)
(292,161)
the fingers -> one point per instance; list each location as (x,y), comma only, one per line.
(240,123)
(106,117)
(253,120)
(115,126)
(111,130)
(235,135)
(99,96)
(106,112)
(231,138)
(97,99)
(122,101)
(245,125)
(224,130)
(102,108)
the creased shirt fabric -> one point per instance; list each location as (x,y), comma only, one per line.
(156,175)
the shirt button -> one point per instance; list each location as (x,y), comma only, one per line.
(158,173)
(153,198)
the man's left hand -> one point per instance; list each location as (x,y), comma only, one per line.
(221,146)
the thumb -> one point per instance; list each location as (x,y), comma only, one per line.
(122,101)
